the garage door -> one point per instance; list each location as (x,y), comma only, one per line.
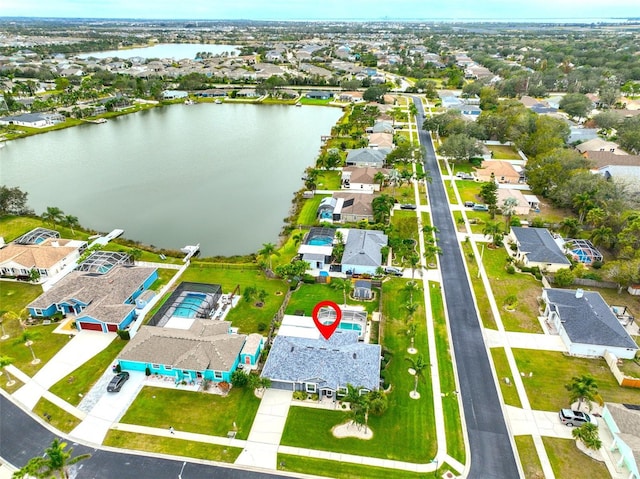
(90,326)
(112,328)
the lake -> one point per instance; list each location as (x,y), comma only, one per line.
(219,175)
(177,51)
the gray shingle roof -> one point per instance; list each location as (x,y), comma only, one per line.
(539,246)
(332,363)
(588,320)
(628,421)
(206,345)
(363,247)
(368,156)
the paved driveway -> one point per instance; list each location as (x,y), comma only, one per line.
(104,408)
(544,423)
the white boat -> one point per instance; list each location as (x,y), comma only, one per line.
(218,102)
(189,102)
(190,251)
(298,104)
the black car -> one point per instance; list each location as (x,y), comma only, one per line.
(118,380)
(408,206)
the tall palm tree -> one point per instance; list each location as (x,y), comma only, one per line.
(414,261)
(20,317)
(4,362)
(379,177)
(411,308)
(358,406)
(419,365)
(493,229)
(583,202)
(343,285)
(268,250)
(54,464)
(582,388)
(602,235)
(508,209)
(596,216)
(411,286)
(71,222)
(570,227)
(53,215)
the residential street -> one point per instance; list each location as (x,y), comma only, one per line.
(491,449)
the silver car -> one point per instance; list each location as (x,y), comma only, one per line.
(575,418)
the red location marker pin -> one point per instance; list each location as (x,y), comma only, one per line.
(326,329)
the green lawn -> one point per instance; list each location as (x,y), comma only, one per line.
(81,380)
(406,431)
(469,190)
(189,411)
(170,445)
(528,457)
(504,152)
(329,180)
(60,419)
(309,211)
(501,366)
(308,295)
(568,461)
(524,286)
(552,370)
(482,301)
(450,192)
(15,296)
(341,470)
(12,227)
(455,438)
(246,315)
(164,276)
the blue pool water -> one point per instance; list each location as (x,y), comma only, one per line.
(321,241)
(189,305)
(348,326)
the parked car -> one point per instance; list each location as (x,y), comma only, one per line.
(393,270)
(408,206)
(480,207)
(575,418)
(469,204)
(118,380)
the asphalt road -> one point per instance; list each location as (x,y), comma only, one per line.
(22,438)
(491,449)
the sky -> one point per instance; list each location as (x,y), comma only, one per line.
(326,10)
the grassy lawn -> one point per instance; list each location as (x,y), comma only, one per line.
(406,431)
(453,425)
(145,255)
(501,366)
(566,459)
(552,370)
(482,301)
(457,216)
(60,419)
(246,315)
(82,379)
(164,275)
(340,470)
(201,413)
(170,445)
(45,345)
(309,211)
(529,457)
(15,296)
(469,190)
(12,227)
(329,180)
(522,285)
(315,101)
(403,194)
(503,152)
(308,295)
(450,192)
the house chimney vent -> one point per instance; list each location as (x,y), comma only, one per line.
(579,293)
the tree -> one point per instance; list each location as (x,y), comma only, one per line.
(379,177)
(292,270)
(4,362)
(358,406)
(71,222)
(588,434)
(414,261)
(53,215)
(551,170)
(602,236)
(489,193)
(582,388)
(13,201)
(508,209)
(460,147)
(623,272)
(343,285)
(311,178)
(629,135)
(563,277)
(493,229)
(268,250)
(381,206)
(576,105)
(27,338)
(378,402)
(583,202)
(55,463)
(419,365)
(570,227)
(411,308)
(374,93)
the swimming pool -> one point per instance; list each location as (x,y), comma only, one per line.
(346,326)
(321,241)
(189,305)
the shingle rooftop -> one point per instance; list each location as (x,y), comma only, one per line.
(363,247)
(538,245)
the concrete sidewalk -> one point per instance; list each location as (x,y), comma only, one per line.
(542,342)
(83,346)
(261,449)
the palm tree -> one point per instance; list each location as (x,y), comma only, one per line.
(358,406)
(582,388)
(411,286)
(379,177)
(53,214)
(71,222)
(570,227)
(411,308)
(344,285)
(20,317)
(508,209)
(602,236)
(268,250)
(493,229)
(4,333)
(414,261)
(27,338)
(596,216)
(4,362)
(588,434)
(583,202)
(54,464)
(418,365)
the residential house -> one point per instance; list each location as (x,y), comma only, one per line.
(536,247)
(367,157)
(317,246)
(325,367)
(598,144)
(207,350)
(382,127)
(363,251)
(586,323)
(351,96)
(319,95)
(100,302)
(174,94)
(600,159)
(33,120)
(470,112)
(41,250)
(362,178)
(346,207)
(623,421)
(521,206)
(381,140)
(627,175)
(247,93)
(503,171)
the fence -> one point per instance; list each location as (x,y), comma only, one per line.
(623,380)
(587,282)
(279,314)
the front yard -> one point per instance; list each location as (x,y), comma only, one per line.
(308,295)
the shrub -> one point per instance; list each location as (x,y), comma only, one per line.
(308,279)
(537,223)
(315,397)
(511,269)
(513,247)
(147,371)
(596,264)
(511,300)
(299,395)
(564,277)
(123,334)
(515,221)
(262,327)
